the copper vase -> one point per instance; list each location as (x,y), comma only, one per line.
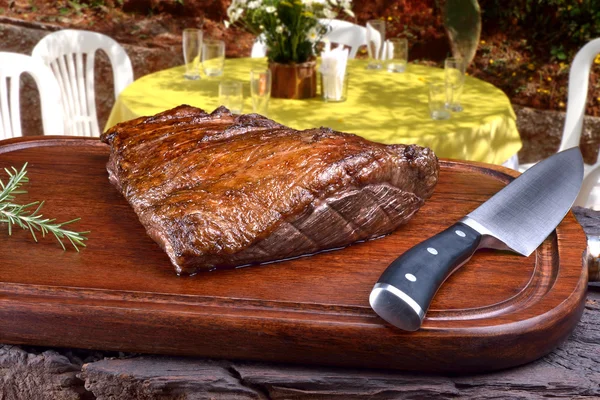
(293,81)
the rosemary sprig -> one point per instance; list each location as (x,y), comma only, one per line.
(22,216)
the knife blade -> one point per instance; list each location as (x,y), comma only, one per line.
(517,218)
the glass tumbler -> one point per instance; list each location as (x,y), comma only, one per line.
(231,95)
(192,46)
(260,90)
(454,73)
(375,43)
(396,58)
(213,57)
(334,87)
(439,93)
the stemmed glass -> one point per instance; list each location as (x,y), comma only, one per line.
(454,72)
(192,46)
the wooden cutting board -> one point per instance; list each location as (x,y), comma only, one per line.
(121,292)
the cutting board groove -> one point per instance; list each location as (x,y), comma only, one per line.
(121,293)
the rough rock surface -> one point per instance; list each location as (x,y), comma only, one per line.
(541,132)
(21,37)
(47,375)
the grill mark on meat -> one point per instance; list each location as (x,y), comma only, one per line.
(394,208)
(365,201)
(354,227)
(369,192)
(218,190)
(287,237)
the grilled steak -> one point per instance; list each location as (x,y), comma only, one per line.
(221,190)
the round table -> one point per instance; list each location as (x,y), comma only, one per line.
(381,106)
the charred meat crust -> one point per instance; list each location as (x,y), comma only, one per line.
(222,190)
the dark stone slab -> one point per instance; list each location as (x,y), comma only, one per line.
(46,375)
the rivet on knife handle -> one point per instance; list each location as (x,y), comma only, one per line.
(405,289)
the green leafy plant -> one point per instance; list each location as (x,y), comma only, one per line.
(291,28)
(22,215)
(558,52)
(572,23)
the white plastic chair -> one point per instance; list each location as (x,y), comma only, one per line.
(341,32)
(12,65)
(71,54)
(346,33)
(589,196)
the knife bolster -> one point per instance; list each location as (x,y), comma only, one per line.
(396,307)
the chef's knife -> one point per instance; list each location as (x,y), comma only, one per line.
(518,218)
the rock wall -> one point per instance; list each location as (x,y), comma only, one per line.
(541,132)
(21,37)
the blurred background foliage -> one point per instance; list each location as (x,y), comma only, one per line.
(525,46)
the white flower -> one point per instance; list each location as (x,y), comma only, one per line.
(270,9)
(310,3)
(252,5)
(329,14)
(234,13)
(347,7)
(279,29)
(312,35)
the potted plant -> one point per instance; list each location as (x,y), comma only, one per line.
(291,30)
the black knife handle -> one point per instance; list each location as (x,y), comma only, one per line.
(404,291)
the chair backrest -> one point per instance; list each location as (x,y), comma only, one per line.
(71,54)
(12,65)
(346,33)
(579,75)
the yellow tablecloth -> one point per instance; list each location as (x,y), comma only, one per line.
(381,106)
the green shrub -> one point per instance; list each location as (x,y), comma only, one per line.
(556,27)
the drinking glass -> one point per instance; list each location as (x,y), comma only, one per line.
(439,93)
(454,72)
(396,54)
(334,87)
(231,96)
(213,57)
(375,43)
(260,90)
(192,46)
